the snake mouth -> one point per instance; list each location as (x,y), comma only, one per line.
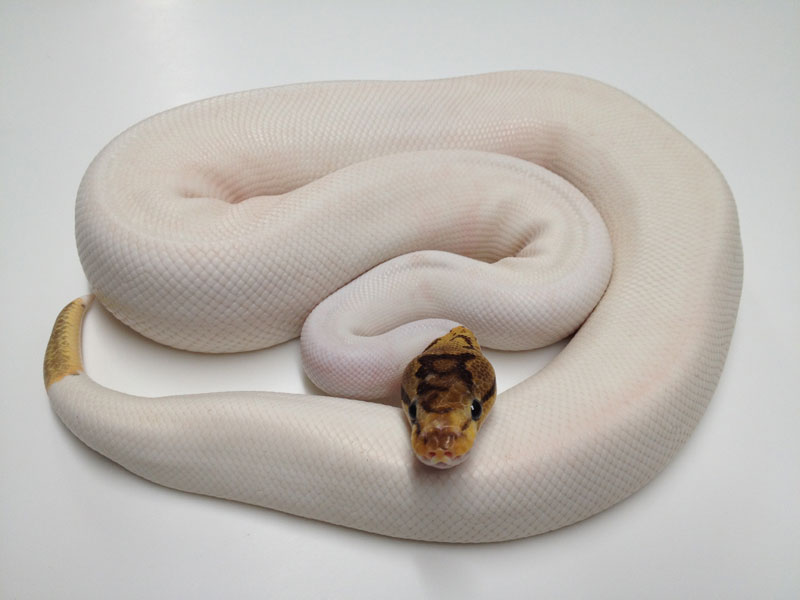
(441,460)
(442,447)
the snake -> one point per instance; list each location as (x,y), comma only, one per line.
(398,227)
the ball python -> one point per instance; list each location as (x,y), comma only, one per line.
(219,225)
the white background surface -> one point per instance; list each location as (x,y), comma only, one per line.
(722,521)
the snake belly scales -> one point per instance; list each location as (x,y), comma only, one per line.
(218,226)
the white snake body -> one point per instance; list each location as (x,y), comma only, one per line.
(218,226)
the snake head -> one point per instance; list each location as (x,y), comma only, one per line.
(447,393)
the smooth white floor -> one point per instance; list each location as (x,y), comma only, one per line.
(723,521)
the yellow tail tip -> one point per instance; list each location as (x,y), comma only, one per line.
(63,354)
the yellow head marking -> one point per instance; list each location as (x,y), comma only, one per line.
(447,392)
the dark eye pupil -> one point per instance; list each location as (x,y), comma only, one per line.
(477,409)
(412,411)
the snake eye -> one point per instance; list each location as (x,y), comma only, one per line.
(412,411)
(477,409)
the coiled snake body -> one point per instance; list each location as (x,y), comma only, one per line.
(220,225)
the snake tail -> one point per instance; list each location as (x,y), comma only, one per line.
(63,355)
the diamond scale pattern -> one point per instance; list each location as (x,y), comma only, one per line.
(220,225)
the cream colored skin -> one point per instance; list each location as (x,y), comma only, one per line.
(220,225)
(441,436)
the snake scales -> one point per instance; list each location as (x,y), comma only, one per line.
(191,230)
